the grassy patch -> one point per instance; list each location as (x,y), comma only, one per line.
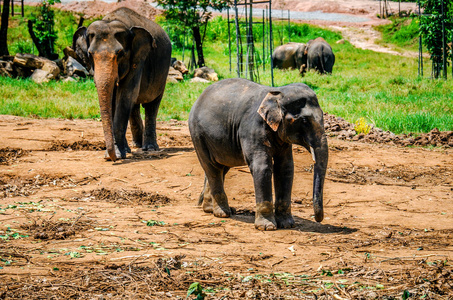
(402,32)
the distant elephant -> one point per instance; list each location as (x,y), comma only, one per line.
(318,55)
(130,56)
(288,56)
(238,122)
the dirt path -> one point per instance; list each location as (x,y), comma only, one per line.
(73,224)
(366,37)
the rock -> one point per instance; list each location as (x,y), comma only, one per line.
(180,66)
(342,41)
(69,52)
(73,67)
(35,62)
(40,76)
(198,79)
(171,80)
(69,79)
(206,73)
(177,75)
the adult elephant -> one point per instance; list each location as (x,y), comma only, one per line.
(130,56)
(288,56)
(238,122)
(318,55)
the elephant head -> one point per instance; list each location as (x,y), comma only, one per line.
(115,53)
(299,120)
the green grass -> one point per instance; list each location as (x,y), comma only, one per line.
(382,88)
(68,100)
(402,32)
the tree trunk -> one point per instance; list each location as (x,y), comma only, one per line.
(198,45)
(4,29)
(41,50)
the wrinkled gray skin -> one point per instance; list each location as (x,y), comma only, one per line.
(319,56)
(288,56)
(237,122)
(129,55)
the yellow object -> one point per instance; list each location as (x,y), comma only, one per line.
(361,126)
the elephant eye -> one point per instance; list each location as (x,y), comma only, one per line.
(122,38)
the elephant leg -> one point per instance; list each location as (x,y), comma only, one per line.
(120,120)
(283,182)
(136,126)
(262,180)
(206,197)
(149,140)
(215,193)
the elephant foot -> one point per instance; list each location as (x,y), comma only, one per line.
(128,149)
(207,205)
(221,209)
(118,153)
(136,144)
(264,218)
(284,220)
(150,147)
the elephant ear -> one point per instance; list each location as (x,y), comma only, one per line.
(142,43)
(270,109)
(80,46)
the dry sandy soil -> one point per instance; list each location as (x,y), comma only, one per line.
(74,225)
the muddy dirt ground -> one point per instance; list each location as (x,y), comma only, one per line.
(75,226)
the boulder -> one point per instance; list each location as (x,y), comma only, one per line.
(180,66)
(73,67)
(40,76)
(206,73)
(35,62)
(198,79)
(175,74)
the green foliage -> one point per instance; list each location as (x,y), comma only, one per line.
(19,40)
(437,14)
(403,32)
(44,25)
(196,290)
(190,13)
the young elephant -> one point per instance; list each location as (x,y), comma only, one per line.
(236,122)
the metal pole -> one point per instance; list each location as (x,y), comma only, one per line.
(229,36)
(444,45)
(12,8)
(22,9)
(251,46)
(237,36)
(420,45)
(271,42)
(264,43)
(289,28)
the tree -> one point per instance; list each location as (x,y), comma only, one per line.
(193,15)
(4,29)
(42,29)
(436,28)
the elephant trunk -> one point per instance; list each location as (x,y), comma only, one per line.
(321,157)
(105,78)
